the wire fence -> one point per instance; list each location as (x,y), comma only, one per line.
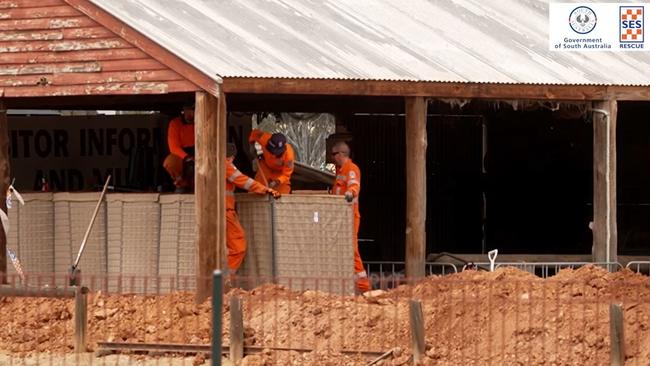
(505,317)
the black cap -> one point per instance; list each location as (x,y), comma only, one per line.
(277,144)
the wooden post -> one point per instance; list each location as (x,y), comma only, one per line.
(417,330)
(616,335)
(4,182)
(236,330)
(604,216)
(80,319)
(416,186)
(210,205)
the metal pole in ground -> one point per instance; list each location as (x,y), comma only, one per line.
(217,305)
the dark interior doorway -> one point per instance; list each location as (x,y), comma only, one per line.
(633,183)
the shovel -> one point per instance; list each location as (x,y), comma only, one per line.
(73,275)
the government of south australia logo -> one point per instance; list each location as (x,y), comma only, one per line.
(582,20)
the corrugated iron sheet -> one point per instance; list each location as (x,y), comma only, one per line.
(504,41)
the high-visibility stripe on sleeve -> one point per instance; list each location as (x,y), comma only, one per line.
(352,181)
(234,175)
(248,184)
(230,193)
(341,177)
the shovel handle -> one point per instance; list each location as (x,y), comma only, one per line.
(492,256)
(90,226)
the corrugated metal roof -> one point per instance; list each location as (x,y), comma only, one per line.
(500,41)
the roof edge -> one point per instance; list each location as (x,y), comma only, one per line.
(148,46)
(478,90)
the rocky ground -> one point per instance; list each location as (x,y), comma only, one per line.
(506,317)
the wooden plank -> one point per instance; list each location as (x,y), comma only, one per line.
(417,330)
(628,93)
(209,189)
(74,56)
(9,4)
(616,335)
(416,189)
(43,69)
(4,181)
(64,45)
(47,23)
(102,89)
(39,12)
(123,102)
(106,66)
(80,320)
(125,65)
(604,216)
(87,32)
(89,78)
(207,82)
(33,35)
(432,89)
(236,330)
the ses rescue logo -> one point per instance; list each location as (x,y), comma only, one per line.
(631,24)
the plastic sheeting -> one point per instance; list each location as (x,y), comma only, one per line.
(306,132)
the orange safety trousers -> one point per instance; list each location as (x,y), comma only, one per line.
(174,166)
(235,241)
(362,283)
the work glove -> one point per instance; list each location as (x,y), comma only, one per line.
(258,150)
(349,196)
(274,184)
(273,193)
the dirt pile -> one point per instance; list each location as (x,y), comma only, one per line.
(506,317)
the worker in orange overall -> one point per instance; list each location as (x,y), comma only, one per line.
(235,240)
(180,139)
(275,160)
(348,184)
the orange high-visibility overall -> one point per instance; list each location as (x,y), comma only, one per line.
(348,179)
(180,136)
(273,168)
(235,240)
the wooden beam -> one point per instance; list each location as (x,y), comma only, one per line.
(4,181)
(210,125)
(416,321)
(148,46)
(236,330)
(616,335)
(604,227)
(336,104)
(434,89)
(416,186)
